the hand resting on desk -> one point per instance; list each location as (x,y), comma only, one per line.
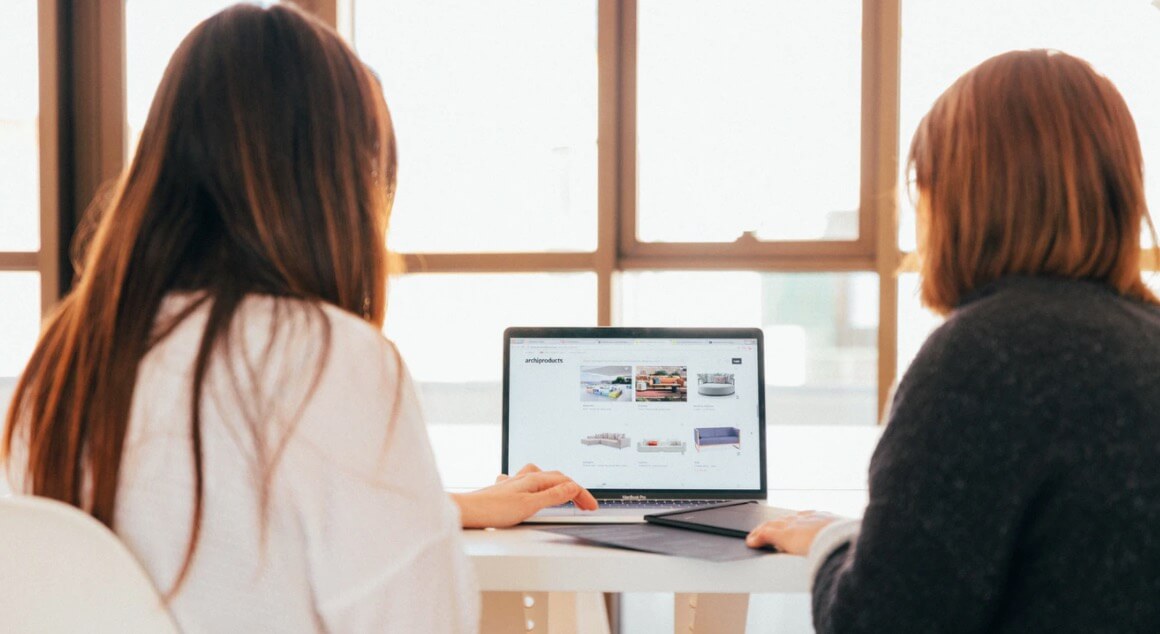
(791,534)
(512,500)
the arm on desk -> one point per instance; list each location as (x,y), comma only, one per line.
(514,499)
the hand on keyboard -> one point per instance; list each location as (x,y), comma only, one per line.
(513,499)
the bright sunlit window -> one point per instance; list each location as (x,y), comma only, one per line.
(820,332)
(19,182)
(19,110)
(19,321)
(942,40)
(449,329)
(494,105)
(748,119)
(579,162)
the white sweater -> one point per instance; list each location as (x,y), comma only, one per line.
(358,534)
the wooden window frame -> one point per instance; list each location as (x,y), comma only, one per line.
(618,249)
(45,260)
(93,152)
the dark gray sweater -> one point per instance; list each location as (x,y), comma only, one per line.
(1016,487)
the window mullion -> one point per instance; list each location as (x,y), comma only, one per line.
(49,72)
(880,85)
(610,36)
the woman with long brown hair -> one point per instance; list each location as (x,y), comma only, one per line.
(1016,487)
(216,388)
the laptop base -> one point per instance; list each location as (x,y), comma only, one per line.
(615,511)
(592,517)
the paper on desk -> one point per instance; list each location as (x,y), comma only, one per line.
(664,540)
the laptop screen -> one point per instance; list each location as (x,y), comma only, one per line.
(677,410)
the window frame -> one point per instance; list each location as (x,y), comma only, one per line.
(618,248)
(45,260)
(93,151)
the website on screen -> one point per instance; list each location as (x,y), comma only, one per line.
(637,413)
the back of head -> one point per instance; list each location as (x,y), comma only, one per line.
(266,166)
(268,155)
(1029,164)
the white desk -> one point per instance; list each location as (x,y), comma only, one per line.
(809,467)
(523,559)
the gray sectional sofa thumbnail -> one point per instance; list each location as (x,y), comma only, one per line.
(618,441)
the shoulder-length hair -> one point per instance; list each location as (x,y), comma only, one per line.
(266,166)
(1029,164)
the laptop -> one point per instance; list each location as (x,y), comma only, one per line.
(647,419)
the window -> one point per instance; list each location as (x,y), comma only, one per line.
(820,332)
(617,143)
(449,329)
(19,321)
(1118,38)
(20,183)
(760,135)
(19,114)
(621,162)
(499,97)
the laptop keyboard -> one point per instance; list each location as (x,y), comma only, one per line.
(649,505)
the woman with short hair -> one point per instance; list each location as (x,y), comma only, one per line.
(1016,486)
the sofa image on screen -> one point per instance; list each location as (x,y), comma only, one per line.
(606,383)
(612,392)
(650,445)
(618,441)
(661,383)
(712,436)
(715,384)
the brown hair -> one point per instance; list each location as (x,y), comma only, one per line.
(1029,164)
(266,166)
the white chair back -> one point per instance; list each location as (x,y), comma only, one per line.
(63,571)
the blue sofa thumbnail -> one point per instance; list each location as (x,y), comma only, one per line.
(706,436)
